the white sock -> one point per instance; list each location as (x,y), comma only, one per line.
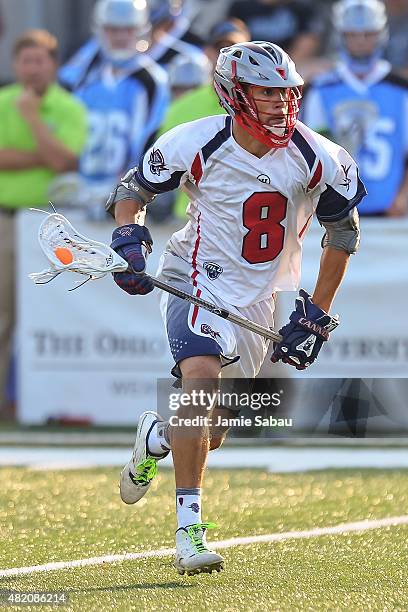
(156,440)
(188,507)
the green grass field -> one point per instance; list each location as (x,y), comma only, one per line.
(61,516)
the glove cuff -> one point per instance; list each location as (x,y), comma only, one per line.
(131,234)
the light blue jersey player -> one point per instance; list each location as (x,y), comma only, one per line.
(120,28)
(126,94)
(163,35)
(363,106)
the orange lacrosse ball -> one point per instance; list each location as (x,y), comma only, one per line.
(64,255)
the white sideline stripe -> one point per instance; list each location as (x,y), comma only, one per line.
(166,552)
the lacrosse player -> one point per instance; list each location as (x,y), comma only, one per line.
(363,105)
(255,178)
(125,92)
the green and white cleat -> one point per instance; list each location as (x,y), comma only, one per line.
(138,473)
(192,554)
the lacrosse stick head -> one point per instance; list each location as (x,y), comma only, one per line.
(68,250)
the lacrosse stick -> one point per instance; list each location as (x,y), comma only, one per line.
(68,250)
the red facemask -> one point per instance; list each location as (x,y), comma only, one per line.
(246,114)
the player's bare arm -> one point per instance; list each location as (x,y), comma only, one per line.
(342,239)
(333,266)
(127,211)
(310,324)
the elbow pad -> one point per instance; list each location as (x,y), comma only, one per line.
(343,235)
(129,189)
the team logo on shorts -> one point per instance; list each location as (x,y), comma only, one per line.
(213,270)
(156,162)
(208,331)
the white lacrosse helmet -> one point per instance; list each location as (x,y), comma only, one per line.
(121,14)
(361,16)
(189,72)
(267,65)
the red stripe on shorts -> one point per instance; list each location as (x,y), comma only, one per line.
(302,231)
(196,246)
(195,311)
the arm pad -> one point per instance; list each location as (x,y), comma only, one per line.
(343,235)
(129,189)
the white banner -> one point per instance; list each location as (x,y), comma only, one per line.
(94,353)
(97,353)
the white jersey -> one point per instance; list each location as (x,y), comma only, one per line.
(248,216)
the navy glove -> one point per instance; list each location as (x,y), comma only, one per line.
(303,336)
(128,241)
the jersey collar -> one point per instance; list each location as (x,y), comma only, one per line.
(361,86)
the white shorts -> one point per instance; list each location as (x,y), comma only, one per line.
(193,331)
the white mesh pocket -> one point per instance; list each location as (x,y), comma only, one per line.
(87,256)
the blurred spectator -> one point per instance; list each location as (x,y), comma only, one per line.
(206,14)
(363,106)
(201,102)
(294,25)
(163,33)
(126,94)
(171,36)
(42,132)
(172,18)
(186,74)
(397,48)
(87,63)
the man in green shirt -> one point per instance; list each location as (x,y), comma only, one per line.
(42,132)
(203,101)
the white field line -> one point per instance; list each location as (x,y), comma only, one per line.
(358,526)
